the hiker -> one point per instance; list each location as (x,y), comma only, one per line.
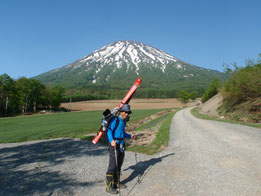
(116,134)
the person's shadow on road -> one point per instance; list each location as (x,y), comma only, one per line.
(141,169)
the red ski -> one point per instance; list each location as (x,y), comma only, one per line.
(125,100)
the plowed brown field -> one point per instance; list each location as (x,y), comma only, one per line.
(135,104)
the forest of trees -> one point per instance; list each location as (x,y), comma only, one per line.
(27,95)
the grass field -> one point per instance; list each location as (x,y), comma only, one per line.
(71,124)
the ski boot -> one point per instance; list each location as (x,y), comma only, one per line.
(116,183)
(109,185)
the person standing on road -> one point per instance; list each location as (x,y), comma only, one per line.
(116,147)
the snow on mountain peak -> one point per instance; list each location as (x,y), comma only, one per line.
(130,53)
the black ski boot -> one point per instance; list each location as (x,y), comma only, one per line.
(116,183)
(109,186)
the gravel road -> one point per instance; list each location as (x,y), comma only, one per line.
(203,158)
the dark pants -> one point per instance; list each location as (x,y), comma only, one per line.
(112,169)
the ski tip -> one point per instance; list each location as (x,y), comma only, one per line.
(138,81)
(94,141)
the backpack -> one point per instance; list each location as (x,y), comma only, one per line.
(104,136)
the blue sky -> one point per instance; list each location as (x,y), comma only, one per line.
(37,36)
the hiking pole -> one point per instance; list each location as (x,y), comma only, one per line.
(136,160)
(117,168)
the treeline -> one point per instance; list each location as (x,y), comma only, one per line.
(30,95)
(90,93)
(27,95)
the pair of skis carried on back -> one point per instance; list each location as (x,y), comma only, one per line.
(108,116)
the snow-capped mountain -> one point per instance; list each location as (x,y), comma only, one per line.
(121,62)
(129,52)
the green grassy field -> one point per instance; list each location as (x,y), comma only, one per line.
(71,124)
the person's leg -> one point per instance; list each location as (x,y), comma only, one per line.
(118,172)
(110,172)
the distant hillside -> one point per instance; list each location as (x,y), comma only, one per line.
(118,64)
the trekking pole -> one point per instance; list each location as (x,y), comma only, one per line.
(117,167)
(136,160)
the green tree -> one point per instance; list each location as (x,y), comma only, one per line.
(24,90)
(36,92)
(6,92)
(212,90)
(184,96)
(193,95)
(56,96)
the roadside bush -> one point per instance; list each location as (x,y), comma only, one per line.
(244,84)
(212,90)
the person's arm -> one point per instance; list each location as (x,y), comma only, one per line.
(132,136)
(111,127)
(126,135)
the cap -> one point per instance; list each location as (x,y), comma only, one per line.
(126,108)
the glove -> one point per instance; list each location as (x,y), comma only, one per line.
(115,111)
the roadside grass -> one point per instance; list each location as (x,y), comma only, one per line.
(140,114)
(151,123)
(67,124)
(196,113)
(160,142)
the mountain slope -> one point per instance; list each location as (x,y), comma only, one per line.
(119,64)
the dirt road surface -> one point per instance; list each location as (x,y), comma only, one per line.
(203,158)
(211,158)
